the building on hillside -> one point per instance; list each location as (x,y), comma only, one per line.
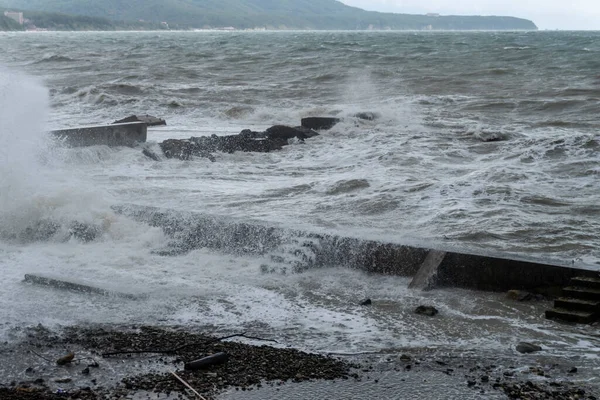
(17,16)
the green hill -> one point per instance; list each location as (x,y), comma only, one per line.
(8,24)
(277,14)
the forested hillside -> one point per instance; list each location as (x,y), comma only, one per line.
(273,14)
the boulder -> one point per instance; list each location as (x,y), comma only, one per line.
(247,140)
(319,123)
(84,232)
(184,149)
(46,229)
(368,116)
(526,348)
(283,132)
(147,119)
(426,310)
(233,143)
(150,154)
(519,295)
(366,302)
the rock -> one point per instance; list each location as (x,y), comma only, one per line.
(426,310)
(308,133)
(150,154)
(368,116)
(526,348)
(66,359)
(41,230)
(248,133)
(175,148)
(366,302)
(573,370)
(283,132)
(247,140)
(147,119)
(405,358)
(184,149)
(319,123)
(84,232)
(519,295)
(489,137)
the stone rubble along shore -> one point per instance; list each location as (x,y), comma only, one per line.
(148,356)
(112,363)
(274,138)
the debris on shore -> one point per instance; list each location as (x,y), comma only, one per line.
(164,351)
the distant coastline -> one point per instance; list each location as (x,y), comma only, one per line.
(233,15)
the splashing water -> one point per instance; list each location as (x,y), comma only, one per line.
(23,110)
(39,197)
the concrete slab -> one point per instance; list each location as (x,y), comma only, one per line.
(127,134)
(74,286)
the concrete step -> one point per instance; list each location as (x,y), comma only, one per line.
(586,281)
(583,293)
(577,304)
(580,317)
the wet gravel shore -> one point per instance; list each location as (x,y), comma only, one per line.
(137,363)
(145,358)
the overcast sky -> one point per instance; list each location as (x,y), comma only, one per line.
(547,14)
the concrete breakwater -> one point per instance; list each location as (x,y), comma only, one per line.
(125,134)
(296,250)
(132,130)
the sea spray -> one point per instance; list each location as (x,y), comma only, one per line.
(23,110)
(41,197)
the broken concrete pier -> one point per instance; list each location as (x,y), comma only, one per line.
(126,134)
(297,250)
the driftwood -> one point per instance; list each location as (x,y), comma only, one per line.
(187,385)
(78,287)
(205,362)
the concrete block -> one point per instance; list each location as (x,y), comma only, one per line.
(425,277)
(127,134)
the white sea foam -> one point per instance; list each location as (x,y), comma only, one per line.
(401,177)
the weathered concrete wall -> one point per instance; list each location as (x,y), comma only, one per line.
(296,249)
(127,134)
(303,250)
(496,273)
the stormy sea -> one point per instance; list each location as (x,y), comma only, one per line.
(481,141)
